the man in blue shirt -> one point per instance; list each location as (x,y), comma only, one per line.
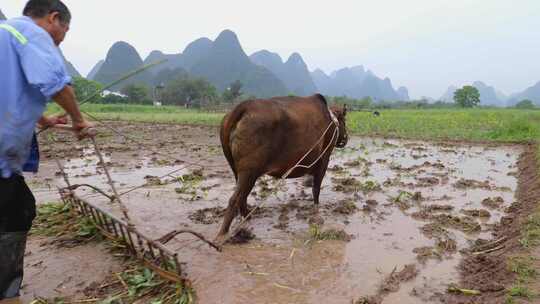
(32,72)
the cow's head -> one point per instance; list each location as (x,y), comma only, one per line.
(341,112)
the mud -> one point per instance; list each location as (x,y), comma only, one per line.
(493,203)
(241,237)
(347,207)
(369,176)
(52,272)
(392,282)
(489,273)
(476,212)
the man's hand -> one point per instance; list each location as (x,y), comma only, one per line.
(51,121)
(68,101)
(81,129)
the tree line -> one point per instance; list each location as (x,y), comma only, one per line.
(184,90)
(181,91)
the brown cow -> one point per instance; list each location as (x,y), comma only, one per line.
(269,136)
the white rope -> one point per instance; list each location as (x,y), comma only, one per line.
(297,165)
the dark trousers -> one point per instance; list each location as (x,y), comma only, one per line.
(17,211)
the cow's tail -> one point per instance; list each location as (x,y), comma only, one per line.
(228,125)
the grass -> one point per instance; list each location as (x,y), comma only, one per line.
(455,124)
(142,113)
(523,267)
(58,220)
(316,233)
(143,282)
(530,236)
(190,183)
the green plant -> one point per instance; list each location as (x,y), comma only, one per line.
(317,234)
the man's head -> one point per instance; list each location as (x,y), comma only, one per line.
(52,15)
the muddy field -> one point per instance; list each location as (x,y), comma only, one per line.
(395,219)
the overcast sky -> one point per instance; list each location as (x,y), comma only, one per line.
(425,45)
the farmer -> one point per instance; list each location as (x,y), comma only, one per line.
(32,72)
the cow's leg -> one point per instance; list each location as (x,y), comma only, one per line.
(318,176)
(237,202)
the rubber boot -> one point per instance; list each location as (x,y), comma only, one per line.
(12,246)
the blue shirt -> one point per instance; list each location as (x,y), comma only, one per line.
(31,72)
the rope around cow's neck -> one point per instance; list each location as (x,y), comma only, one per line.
(335,122)
(336,131)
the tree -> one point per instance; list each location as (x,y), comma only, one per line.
(233,91)
(525,104)
(353,104)
(467,97)
(136,93)
(85,88)
(113,98)
(188,91)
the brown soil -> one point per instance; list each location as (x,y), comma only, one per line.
(392,282)
(463,223)
(472,184)
(242,236)
(208,216)
(488,273)
(346,207)
(476,212)
(493,203)
(425,253)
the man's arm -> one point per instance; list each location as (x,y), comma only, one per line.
(51,121)
(66,99)
(44,69)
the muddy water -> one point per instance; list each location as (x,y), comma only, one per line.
(282,265)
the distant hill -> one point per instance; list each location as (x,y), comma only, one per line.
(192,54)
(121,59)
(221,62)
(489,96)
(263,74)
(174,61)
(195,52)
(323,82)
(71,69)
(95,70)
(293,73)
(227,62)
(532,93)
(356,82)
(448,96)
(403,93)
